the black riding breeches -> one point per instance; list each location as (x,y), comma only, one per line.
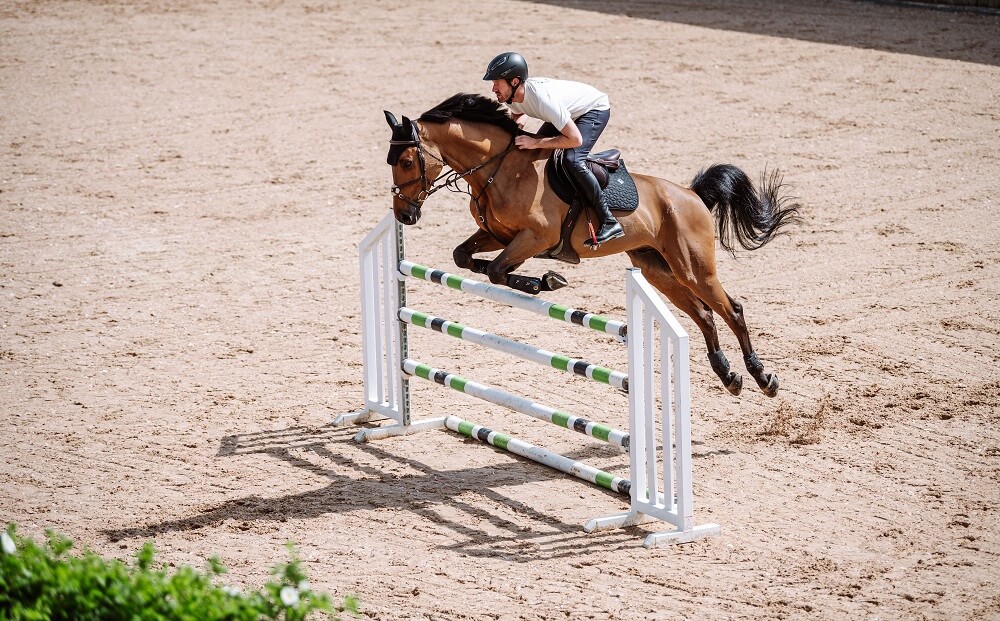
(591,125)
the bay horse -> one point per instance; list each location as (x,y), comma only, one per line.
(670,236)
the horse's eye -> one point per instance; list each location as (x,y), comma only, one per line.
(406,163)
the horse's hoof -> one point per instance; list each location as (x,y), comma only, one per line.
(735,384)
(772,385)
(479,266)
(552,281)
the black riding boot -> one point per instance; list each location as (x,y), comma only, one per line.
(610,227)
(590,191)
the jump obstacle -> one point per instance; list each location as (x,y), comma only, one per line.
(661,492)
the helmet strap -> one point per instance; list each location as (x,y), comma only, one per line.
(513,90)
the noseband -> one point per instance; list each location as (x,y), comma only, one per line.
(450,178)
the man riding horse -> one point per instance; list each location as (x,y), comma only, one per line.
(519,211)
(574,115)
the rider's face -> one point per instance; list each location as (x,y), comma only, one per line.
(501,90)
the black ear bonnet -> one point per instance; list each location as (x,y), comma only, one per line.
(404,136)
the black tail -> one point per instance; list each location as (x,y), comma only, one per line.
(745,215)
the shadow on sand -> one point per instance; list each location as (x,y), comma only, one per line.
(364,477)
(903,28)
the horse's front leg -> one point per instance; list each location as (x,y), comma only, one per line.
(480,241)
(526,244)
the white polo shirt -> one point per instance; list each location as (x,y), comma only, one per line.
(559,101)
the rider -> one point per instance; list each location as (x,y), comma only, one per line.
(575,114)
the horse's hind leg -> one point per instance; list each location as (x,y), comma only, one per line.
(708,288)
(657,272)
(768,382)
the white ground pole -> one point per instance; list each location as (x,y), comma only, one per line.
(664,493)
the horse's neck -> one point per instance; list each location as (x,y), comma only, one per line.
(489,157)
(465,146)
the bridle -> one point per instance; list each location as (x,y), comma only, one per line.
(450,178)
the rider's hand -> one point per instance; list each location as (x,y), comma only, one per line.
(526,142)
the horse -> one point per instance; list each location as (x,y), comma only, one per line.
(670,235)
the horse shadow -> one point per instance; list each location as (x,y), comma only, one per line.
(440,497)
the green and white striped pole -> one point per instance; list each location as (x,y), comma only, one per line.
(495,396)
(514,298)
(577,469)
(521,350)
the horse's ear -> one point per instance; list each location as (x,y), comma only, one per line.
(390,118)
(411,126)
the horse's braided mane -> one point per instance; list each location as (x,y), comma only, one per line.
(469,107)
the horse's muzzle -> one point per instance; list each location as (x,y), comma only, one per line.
(409,214)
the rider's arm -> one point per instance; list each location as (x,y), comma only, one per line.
(569,138)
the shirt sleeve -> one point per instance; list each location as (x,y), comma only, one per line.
(551,109)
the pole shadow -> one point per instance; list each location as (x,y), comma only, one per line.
(429,493)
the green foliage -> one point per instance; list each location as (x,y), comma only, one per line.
(46,583)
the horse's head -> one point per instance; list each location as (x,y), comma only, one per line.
(411,172)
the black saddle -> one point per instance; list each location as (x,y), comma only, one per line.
(611,174)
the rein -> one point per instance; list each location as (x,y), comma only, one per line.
(451,178)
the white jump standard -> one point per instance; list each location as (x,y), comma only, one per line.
(659,464)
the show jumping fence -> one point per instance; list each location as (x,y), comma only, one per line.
(660,467)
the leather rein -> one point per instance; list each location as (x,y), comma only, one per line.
(450,178)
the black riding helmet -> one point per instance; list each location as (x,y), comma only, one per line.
(508,66)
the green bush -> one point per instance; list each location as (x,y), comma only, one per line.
(41,583)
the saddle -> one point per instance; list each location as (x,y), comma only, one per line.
(601,164)
(615,181)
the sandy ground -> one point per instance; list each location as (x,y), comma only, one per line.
(182,189)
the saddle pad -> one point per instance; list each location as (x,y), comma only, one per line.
(620,194)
